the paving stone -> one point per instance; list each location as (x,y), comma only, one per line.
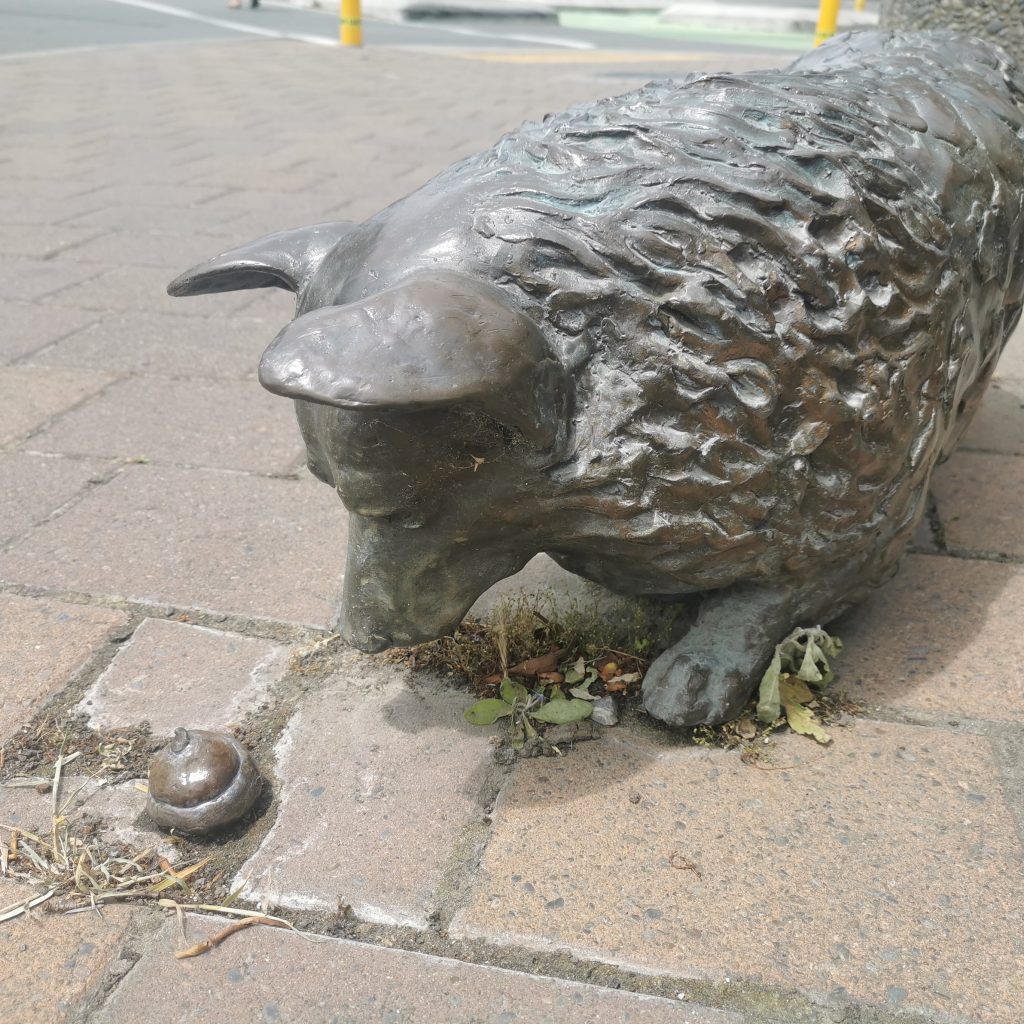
(28,280)
(172,674)
(144,289)
(307,178)
(119,217)
(1011,362)
(264,974)
(402,763)
(52,963)
(110,814)
(41,241)
(43,643)
(923,539)
(196,538)
(43,212)
(33,486)
(980,499)
(40,188)
(152,248)
(161,343)
(999,423)
(29,397)
(943,636)
(543,581)
(28,327)
(297,208)
(883,869)
(142,194)
(274,306)
(221,424)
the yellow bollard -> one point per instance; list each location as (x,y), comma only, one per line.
(351,23)
(828,15)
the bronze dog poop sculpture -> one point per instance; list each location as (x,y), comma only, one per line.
(709,336)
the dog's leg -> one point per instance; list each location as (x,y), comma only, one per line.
(710,673)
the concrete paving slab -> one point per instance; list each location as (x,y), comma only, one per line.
(52,963)
(166,345)
(944,636)
(980,499)
(205,218)
(28,280)
(36,187)
(146,194)
(144,289)
(151,248)
(196,538)
(40,212)
(43,644)
(999,423)
(113,814)
(34,486)
(28,327)
(171,674)
(368,762)
(1011,362)
(219,424)
(298,177)
(883,869)
(29,398)
(39,241)
(266,974)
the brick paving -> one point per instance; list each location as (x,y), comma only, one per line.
(279,977)
(402,763)
(148,487)
(212,678)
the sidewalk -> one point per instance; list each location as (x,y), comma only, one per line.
(148,488)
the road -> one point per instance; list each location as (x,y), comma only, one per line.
(42,26)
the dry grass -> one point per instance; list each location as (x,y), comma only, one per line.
(525,628)
(73,865)
(74,869)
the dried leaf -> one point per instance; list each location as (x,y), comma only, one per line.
(534,666)
(551,677)
(768,693)
(793,690)
(803,721)
(809,670)
(745,729)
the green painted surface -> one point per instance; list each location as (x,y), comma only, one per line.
(647,24)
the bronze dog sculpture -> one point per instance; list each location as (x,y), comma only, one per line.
(709,336)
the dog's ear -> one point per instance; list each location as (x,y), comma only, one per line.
(286,259)
(436,339)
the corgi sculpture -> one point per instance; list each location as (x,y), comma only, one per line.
(709,336)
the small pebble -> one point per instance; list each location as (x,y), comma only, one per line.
(606,711)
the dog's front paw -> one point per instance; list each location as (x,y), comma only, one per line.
(681,690)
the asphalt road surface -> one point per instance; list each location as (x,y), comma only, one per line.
(44,26)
